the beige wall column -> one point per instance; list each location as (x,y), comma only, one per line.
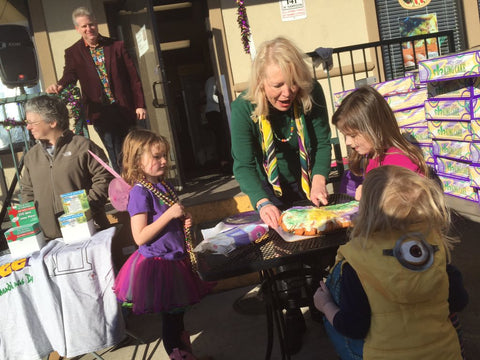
(42,44)
(219,46)
(472,23)
(371,21)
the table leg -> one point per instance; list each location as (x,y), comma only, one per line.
(269,314)
(275,311)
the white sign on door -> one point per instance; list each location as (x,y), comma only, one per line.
(142,41)
(292,9)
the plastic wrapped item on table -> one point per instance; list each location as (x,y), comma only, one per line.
(232,232)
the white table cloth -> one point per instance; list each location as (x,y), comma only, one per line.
(59,298)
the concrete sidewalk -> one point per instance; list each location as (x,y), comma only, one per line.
(221,332)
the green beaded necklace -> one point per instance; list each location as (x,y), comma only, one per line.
(292,128)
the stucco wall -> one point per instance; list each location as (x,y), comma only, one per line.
(328,24)
(61,32)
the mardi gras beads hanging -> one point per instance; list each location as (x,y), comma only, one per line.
(70,95)
(242,21)
(170,199)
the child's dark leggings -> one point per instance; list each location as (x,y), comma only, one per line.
(172,328)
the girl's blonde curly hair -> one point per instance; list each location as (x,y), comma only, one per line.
(136,143)
(395,199)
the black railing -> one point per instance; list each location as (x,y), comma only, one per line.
(10,154)
(387,62)
(387,58)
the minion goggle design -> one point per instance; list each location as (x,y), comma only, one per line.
(413,252)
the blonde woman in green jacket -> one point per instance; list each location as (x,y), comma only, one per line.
(280,133)
(281,148)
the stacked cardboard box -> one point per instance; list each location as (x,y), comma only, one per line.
(452,111)
(441,114)
(77,223)
(406,97)
(409,112)
(25,237)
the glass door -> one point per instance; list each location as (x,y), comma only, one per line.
(137,27)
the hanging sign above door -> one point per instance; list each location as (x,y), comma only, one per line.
(413,4)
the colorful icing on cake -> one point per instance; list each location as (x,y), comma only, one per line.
(310,220)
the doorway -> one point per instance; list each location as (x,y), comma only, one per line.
(184,65)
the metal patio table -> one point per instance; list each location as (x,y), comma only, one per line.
(264,257)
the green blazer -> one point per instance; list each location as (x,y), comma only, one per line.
(247,150)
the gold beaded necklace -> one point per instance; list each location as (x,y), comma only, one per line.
(170,199)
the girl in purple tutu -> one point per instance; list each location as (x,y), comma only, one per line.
(158,277)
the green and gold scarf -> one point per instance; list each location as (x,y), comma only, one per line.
(269,155)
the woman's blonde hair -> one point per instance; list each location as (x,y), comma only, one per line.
(398,199)
(365,111)
(290,59)
(136,143)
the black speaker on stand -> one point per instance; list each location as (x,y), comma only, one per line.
(18,68)
(18,58)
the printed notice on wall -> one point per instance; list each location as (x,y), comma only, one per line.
(292,9)
(142,41)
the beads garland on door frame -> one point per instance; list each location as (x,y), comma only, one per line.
(242,21)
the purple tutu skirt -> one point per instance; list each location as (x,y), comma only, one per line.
(154,284)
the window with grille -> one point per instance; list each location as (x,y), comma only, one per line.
(389,14)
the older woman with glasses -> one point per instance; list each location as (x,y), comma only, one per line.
(60,163)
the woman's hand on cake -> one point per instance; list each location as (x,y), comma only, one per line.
(318,192)
(269,213)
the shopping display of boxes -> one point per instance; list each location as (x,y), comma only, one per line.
(77,222)
(410,116)
(397,86)
(453,167)
(450,130)
(75,201)
(475,153)
(458,109)
(453,115)
(455,66)
(400,86)
(407,100)
(474,175)
(416,134)
(457,150)
(23,214)
(454,89)
(458,187)
(416,78)
(427,151)
(437,108)
(24,239)
(339,96)
(76,227)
